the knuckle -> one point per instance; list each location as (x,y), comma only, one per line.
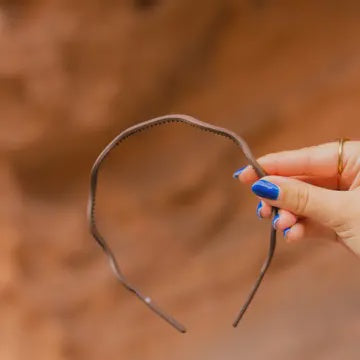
(346,214)
(301,200)
(343,229)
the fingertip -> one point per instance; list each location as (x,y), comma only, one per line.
(285,232)
(275,221)
(287,219)
(258,209)
(288,235)
(294,233)
(266,210)
(238,172)
(266,189)
(248,175)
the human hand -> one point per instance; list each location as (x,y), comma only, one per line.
(304,185)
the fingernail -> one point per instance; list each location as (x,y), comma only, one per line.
(258,209)
(238,172)
(275,220)
(266,189)
(286,231)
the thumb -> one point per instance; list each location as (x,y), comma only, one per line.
(303,199)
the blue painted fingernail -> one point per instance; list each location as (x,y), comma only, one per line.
(258,209)
(266,189)
(238,172)
(275,220)
(286,231)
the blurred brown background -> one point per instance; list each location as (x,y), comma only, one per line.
(73,74)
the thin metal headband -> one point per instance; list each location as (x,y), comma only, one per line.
(239,141)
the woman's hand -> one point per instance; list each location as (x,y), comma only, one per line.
(304,185)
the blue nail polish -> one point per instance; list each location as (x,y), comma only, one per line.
(258,209)
(266,189)
(275,220)
(238,172)
(286,231)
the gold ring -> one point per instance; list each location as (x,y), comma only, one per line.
(340,166)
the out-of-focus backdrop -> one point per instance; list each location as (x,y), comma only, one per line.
(73,74)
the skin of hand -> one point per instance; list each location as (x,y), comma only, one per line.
(314,200)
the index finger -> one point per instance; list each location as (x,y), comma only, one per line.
(320,161)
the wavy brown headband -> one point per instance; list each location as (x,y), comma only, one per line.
(237,140)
